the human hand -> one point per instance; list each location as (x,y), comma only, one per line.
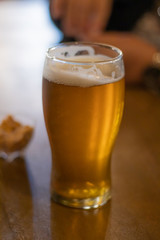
(80,16)
(138,53)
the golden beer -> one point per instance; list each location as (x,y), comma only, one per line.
(82,123)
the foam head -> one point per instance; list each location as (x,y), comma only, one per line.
(81,66)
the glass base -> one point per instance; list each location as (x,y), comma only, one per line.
(86,203)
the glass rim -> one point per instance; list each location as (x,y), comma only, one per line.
(107,46)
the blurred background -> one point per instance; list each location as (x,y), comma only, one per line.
(26,31)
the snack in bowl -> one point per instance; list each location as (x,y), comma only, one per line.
(14,136)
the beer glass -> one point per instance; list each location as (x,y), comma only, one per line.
(83,99)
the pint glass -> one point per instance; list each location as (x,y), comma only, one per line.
(83,99)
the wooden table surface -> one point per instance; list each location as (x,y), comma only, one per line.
(26,211)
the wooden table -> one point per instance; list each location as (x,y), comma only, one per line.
(26,211)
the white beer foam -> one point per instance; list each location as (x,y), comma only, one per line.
(71,51)
(73,74)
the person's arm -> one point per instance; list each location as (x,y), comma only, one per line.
(138,53)
(81,16)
